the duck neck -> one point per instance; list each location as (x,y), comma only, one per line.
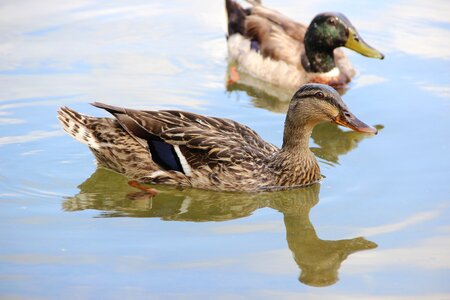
(295,164)
(318,60)
(296,137)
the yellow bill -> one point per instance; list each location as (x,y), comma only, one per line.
(356,43)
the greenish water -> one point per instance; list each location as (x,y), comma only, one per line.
(377,227)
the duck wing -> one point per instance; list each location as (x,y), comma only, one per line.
(279,37)
(290,27)
(183,141)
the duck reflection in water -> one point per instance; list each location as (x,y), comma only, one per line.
(319,260)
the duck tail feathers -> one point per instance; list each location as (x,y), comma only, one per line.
(236,17)
(77,126)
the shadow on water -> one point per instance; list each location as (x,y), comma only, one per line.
(319,260)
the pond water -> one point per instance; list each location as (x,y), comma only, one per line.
(377,227)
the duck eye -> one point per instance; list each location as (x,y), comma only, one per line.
(331,21)
(320,95)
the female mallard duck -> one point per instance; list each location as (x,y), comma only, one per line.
(276,49)
(186,149)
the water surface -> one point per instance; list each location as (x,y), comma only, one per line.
(375,228)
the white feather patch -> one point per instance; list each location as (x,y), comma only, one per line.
(184,164)
(157,174)
(332,73)
(86,137)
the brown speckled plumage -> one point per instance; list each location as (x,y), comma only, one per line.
(221,154)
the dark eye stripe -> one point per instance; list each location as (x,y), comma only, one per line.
(303,95)
(313,95)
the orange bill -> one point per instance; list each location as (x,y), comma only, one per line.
(349,120)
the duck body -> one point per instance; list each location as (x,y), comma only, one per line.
(281,73)
(191,150)
(270,46)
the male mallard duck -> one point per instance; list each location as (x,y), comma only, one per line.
(186,149)
(276,49)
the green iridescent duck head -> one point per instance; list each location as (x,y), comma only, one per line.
(327,32)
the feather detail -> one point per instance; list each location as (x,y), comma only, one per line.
(211,151)
(183,161)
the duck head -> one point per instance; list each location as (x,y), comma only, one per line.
(328,31)
(314,103)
